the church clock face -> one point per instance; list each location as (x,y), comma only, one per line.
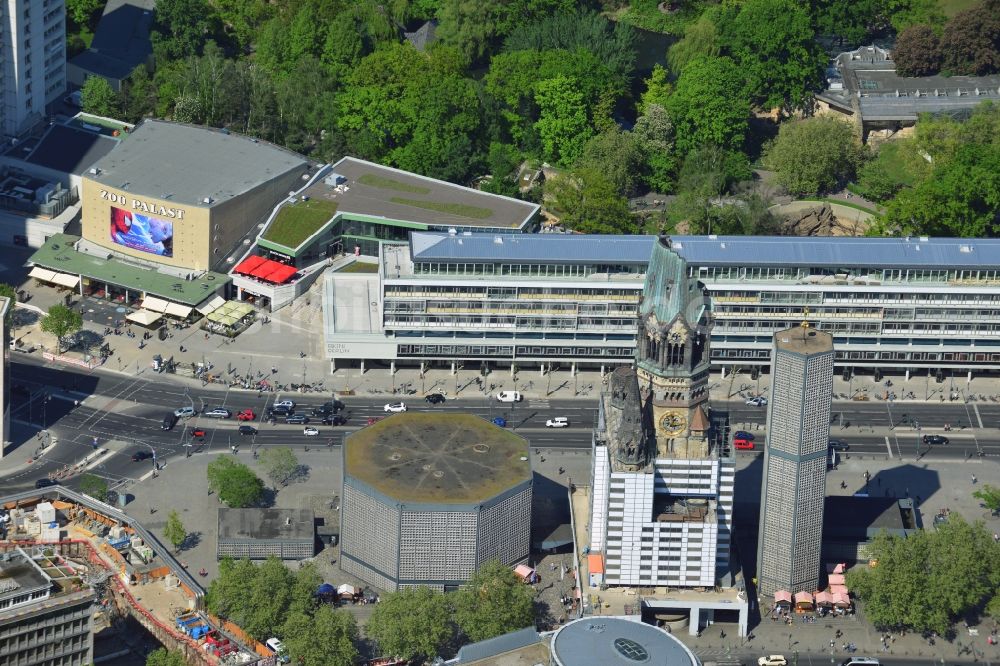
(672,423)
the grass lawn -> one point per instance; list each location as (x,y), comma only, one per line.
(390,184)
(463,210)
(299,221)
(952,7)
(359,267)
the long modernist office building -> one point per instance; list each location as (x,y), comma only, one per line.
(570,301)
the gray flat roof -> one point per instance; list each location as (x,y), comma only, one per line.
(70,150)
(615,641)
(187,163)
(846,516)
(777,251)
(437,458)
(380,191)
(803,340)
(266,524)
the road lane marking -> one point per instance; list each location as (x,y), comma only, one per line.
(888,446)
(979,418)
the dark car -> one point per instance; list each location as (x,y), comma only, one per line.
(46,483)
(935,439)
(169,421)
(139,456)
(435,398)
(335,420)
(839,445)
(279,412)
(328,408)
(743,434)
(298,419)
(247,430)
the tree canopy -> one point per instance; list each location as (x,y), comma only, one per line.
(279,463)
(929,579)
(61,321)
(710,105)
(814,155)
(493,602)
(917,51)
(235,483)
(411,623)
(164,657)
(174,530)
(587,202)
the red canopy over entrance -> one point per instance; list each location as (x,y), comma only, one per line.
(266,269)
(247,266)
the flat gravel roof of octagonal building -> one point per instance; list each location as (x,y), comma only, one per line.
(437,458)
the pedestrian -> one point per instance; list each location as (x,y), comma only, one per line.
(973,479)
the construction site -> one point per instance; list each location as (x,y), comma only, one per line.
(69,561)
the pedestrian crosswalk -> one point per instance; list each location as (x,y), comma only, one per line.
(538,404)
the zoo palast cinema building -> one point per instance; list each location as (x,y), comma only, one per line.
(168,212)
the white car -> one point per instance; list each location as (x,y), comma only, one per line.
(278,648)
(757,401)
(772,660)
(285,404)
(557,422)
(395,407)
(310,431)
(509,396)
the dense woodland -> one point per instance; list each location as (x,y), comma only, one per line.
(559,82)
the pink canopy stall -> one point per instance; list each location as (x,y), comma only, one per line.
(803,601)
(836,579)
(835,568)
(783,599)
(824,599)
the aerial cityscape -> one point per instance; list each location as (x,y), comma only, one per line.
(500,333)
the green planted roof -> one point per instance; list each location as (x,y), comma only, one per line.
(296,222)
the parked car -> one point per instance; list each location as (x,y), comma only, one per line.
(218,413)
(743,434)
(246,415)
(395,407)
(500,421)
(509,396)
(287,404)
(335,420)
(435,398)
(198,433)
(247,430)
(46,483)
(743,444)
(935,439)
(772,660)
(557,422)
(757,401)
(139,456)
(278,648)
(169,421)
(310,431)
(185,412)
(297,419)
(839,445)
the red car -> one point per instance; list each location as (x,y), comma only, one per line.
(743,444)
(246,415)
(198,433)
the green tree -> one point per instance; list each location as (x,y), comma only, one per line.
(164,657)
(904,13)
(586,202)
(658,89)
(61,321)
(10,293)
(562,120)
(989,496)
(280,464)
(851,20)
(229,593)
(411,623)
(494,602)
(236,485)
(174,530)
(326,638)
(654,134)
(896,165)
(814,155)
(620,157)
(917,51)
(471,26)
(83,13)
(182,27)
(138,95)
(98,97)
(773,43)
(927,580)
(613,43)
(95,486)
(701,39)
(960,198)
(710,105)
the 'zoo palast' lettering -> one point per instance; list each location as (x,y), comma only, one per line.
(138,204)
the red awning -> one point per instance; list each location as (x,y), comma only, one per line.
(274,271)
(783,596)
(248,265)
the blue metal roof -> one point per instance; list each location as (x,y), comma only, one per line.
(531,248)
(774,251)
